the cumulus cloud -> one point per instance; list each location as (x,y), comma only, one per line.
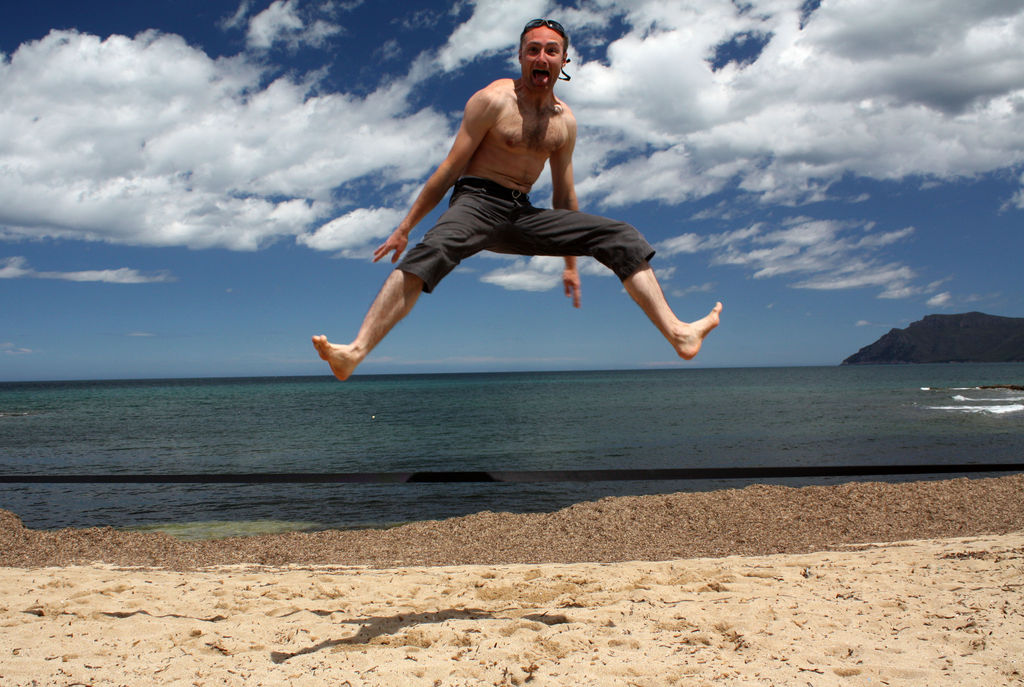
(493,26)
(353,230)
(869,88)
(149,141)
(534,274)
(282,22)
(18,268)
(542,273)
(274,23)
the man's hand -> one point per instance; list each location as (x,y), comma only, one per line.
(396,242)
(571,280)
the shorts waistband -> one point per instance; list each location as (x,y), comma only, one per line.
(493,188)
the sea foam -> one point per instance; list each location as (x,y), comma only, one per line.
(994,409)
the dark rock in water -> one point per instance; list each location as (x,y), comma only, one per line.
(972,337)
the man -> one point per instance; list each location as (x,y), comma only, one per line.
(509,130)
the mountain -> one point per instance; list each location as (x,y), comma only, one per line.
(972,337)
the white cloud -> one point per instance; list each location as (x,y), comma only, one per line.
(893,277)
(493,27)
(826,254)
(694,243)
(123,275)
(281,23)
(270,25)
(148,141)
(8,348)
(940,299)
(15,268)
(706,287)
(18,268)
(883,325)
(665,273)
(238,18)
(542,272)
(685,243)
(353,230)
(870,88)
(534,274)
(1017,200)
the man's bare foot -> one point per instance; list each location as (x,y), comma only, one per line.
(342,359)
(691,336)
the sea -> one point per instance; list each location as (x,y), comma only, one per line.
(520,421)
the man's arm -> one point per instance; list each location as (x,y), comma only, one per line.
(564,198)
(478,117)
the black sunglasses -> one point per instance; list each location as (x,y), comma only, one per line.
(554,26)
(550,23)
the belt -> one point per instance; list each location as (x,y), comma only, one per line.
(493,188)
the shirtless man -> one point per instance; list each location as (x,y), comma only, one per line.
(509,130)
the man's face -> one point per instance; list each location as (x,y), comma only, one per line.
(542,56)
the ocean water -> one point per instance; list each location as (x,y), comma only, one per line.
(677,418)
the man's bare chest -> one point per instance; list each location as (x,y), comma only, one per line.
(541,133)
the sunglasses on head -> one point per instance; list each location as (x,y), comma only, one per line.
(554,26)
(550,23)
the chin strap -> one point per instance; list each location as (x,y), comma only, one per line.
(564,76)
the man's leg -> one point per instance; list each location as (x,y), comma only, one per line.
(685,337)
(393,302)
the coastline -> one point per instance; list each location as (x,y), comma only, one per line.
(756,520)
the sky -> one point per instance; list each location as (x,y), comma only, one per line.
(193,188)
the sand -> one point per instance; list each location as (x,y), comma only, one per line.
(837,608)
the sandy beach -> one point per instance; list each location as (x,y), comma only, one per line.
(835,606)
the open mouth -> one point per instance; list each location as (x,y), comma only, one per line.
(541,76)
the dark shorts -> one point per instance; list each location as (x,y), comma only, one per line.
(483,215)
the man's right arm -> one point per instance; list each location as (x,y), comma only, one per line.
(479,116)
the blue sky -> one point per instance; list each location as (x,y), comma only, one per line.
(195,187)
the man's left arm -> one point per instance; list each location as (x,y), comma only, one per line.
(564,198)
